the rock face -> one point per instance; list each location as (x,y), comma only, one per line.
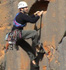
(52,35)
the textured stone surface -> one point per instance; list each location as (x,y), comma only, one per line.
(53,29)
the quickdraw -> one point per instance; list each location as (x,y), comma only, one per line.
(41,44)
(12,37)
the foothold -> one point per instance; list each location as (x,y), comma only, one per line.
(5,17)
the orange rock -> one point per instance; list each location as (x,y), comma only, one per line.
(1,54)
(44,67)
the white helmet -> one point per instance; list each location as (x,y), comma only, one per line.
(22,4)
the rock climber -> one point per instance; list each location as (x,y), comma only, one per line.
(21,20)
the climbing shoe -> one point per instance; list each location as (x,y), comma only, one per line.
(42,50)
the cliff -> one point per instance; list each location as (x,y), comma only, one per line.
(52,34)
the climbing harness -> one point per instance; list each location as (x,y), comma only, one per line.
(16,24)
(12,37)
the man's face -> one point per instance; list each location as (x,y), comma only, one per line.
(25,9)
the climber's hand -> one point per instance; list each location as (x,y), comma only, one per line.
(40,13)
